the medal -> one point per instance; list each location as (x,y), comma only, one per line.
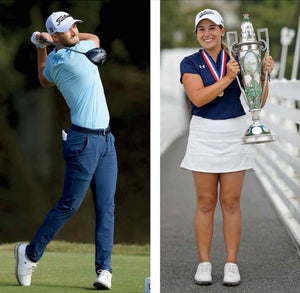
(216,73)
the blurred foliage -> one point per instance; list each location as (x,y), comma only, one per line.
(177,20)
(31,118)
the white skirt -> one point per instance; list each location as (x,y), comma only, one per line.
(215,146)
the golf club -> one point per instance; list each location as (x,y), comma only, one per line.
(96,55)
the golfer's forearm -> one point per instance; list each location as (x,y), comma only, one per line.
(41,62)
(92,37)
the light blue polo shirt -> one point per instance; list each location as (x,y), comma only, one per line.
(79,81)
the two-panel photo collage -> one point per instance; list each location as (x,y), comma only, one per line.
(150,146)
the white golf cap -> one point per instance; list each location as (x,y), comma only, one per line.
(60,22)
(210,14)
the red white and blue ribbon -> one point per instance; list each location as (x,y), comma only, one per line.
(216,73)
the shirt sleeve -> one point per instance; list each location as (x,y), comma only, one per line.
(187,66)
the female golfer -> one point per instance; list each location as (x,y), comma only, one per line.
(214,151)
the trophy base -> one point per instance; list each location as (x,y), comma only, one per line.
(258,134)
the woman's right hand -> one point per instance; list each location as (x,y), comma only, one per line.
(233,69)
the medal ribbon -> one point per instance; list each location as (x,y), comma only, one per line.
(217,74)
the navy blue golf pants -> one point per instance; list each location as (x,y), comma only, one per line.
(91,161)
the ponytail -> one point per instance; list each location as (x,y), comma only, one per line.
(225,47)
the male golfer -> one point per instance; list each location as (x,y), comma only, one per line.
(88,146)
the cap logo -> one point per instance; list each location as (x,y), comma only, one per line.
(205,12)
(62,18)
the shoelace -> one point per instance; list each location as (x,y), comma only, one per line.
(30,269)
(103,274)
(232,269)
(204,268)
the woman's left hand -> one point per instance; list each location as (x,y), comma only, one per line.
(267,64)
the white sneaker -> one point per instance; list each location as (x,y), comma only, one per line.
(103,281)
(24,267)
(203,274)
(231,275)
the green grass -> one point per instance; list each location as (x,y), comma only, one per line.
(69,267)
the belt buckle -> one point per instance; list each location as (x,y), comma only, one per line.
(104,132)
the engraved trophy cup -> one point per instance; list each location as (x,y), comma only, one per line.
(248,52)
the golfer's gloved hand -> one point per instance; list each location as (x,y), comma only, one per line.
(36,42)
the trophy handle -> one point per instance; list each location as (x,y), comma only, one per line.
(264,41)
(232,39)
(265,47)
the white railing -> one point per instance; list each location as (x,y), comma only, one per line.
(278,163)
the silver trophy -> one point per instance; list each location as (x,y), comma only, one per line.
(248,52)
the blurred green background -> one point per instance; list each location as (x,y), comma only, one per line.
(177,21)
(31,118)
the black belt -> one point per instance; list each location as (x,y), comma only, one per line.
(103,132)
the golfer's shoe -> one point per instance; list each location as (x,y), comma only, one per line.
(24,267)
(203,274)
(103,281)
(231,275)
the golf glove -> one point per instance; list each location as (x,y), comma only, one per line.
(36,42)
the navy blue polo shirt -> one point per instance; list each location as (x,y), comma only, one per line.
(225,107)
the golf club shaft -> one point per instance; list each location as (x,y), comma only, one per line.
(58,45)
(95,55)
